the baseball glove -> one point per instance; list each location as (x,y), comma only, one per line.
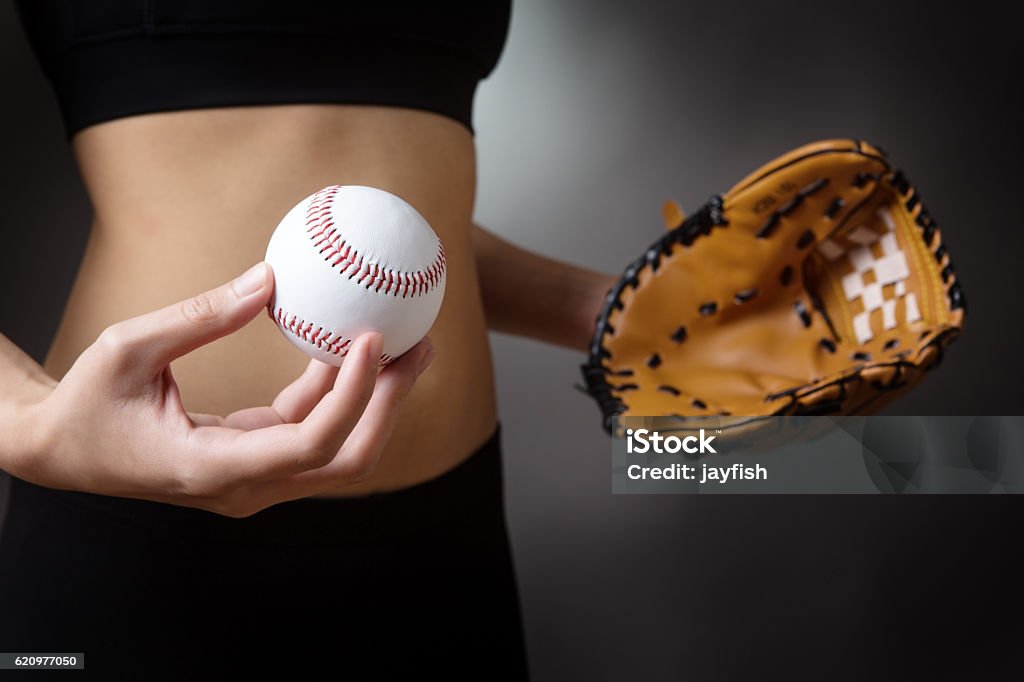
(818,284)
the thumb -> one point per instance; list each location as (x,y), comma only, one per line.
(157,338)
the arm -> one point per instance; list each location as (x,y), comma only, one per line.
(527,294)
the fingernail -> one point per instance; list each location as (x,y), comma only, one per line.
(375,347)
(250,281)
(425,361)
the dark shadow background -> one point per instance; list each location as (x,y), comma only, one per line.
(597,113)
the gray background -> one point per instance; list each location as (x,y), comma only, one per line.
(597,112)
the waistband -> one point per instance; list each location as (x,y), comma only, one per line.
(470,490)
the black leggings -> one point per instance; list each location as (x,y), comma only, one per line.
(413,583)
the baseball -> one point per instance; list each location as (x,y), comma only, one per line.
(348,260)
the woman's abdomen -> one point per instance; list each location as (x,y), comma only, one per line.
(185,201)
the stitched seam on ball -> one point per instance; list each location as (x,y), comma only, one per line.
(324,339)
(316,335)
(327,237)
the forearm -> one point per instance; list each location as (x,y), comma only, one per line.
(530,295)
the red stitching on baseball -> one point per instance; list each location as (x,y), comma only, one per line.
(325,340)
(326,237)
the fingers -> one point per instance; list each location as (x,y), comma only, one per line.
(298,399)
(245,420)
(334,417)
(203,419)
(253,418)
(362,449)
(338,443)
(153,340)
(292,405)
(285,449)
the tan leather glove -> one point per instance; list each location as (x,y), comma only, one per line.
(818,284)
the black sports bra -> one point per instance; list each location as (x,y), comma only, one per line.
(117,58)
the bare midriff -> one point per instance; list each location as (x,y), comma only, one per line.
(185,201)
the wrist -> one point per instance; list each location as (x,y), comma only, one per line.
(26,386)
(590,306)
(23,432)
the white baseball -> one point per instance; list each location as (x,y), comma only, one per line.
(351,259)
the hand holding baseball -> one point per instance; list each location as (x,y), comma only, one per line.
(115,423)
